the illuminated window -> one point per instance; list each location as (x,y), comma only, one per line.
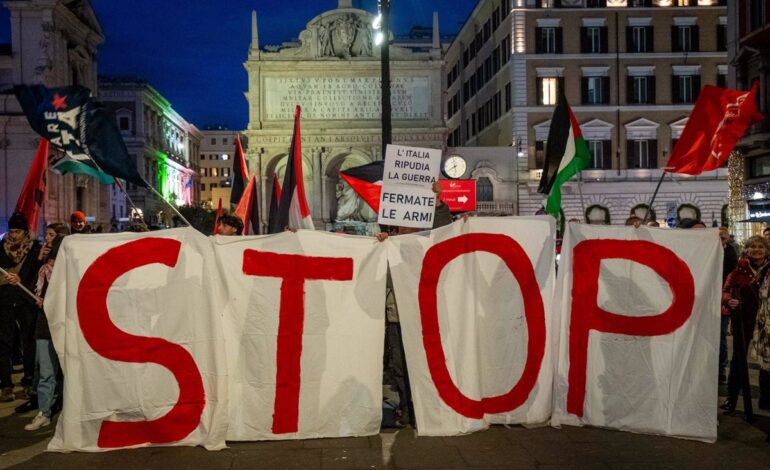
(214,172)
(548,88)
(225,156)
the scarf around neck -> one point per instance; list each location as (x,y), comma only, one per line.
(17,251)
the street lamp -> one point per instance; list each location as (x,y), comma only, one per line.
(381,38)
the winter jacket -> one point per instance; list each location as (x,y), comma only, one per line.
(743,284)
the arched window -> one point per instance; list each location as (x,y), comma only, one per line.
(484,190)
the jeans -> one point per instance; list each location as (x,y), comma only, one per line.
(723,360)
(48,389)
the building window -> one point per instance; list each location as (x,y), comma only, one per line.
(213,141)
(549,3)
(686,3)
(643,153)
(596,3)
(214,185)
(508,97)
(593,39)
(203,187)
(722,80)
(639,3)
(684,38)
(639,39)
(547,90)
(601,154)
(641,89)
(596,90)
(756,14)
(721,37)
(685,88)
(540,147)
(484,190)
(204,171)
(548,40)
(125,123)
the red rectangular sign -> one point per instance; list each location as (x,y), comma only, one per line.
(459,195)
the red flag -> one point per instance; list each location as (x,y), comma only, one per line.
(240,174)
(219,214)
(718,120)
(248,208)
(32,196)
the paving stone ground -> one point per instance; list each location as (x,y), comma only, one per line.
(740,445)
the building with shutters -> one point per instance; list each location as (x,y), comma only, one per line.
(631,71)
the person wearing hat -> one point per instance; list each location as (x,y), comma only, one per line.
(19,257)
(78,223)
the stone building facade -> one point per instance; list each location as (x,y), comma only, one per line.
(53,42)
(631,70)
(216,165)
(333,73)
(166,147)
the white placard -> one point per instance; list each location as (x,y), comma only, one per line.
(407,198)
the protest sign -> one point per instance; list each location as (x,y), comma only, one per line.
(474,304)
(135,322)
(305,321)
(407,199)
(638,325)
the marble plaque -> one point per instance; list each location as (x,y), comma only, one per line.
(344,98)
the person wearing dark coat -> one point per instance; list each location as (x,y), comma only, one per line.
(19,257)
(740,300)
(729,262)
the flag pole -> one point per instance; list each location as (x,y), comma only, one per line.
(654,195)
(580,190)
(22,287)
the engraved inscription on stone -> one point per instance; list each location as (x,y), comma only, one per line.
(353,98)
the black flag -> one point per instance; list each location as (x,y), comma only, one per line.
(79,125)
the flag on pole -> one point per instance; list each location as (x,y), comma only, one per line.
(566,155)
(219,214)
(82,127)
(366,180)
(718,119)
(61,163)
(240,174)
(275,197)
(248,208)
(32,196)
(293,210)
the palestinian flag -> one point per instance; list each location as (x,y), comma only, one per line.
(62,163)
(275,197)
(240,174)
(293,210)
(566,155)
(248,208)
(366,180)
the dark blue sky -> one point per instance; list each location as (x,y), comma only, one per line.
(192,52)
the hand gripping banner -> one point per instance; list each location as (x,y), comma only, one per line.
(305,322)
(474,303)
(639,330)
(134,321)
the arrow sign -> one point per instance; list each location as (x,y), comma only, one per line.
(459,195)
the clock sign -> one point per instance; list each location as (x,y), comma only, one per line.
(455,166)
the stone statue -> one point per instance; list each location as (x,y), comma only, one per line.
(350,207)
(325,46)
(364,40)
(346,30)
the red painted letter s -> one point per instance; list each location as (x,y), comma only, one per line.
(110,342)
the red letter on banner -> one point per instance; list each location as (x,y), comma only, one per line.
(586,315)
(294,270)
(109,341)
(515,258)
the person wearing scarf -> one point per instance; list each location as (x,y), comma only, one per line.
(19,256)
(741,299)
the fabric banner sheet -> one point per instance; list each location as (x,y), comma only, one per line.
(311,300)
(134,319)
(638,328)
(474,304)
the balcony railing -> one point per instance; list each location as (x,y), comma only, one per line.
(495,207)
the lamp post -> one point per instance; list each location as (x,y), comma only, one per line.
(382,38)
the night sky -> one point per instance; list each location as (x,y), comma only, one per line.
(192,52)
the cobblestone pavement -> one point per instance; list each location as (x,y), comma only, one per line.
(740,445)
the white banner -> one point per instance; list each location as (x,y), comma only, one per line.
(639,330)
(135,321)
(305,322)
(474,303)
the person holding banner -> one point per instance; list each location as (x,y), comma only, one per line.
(19,261)
(745,288)
(229,225)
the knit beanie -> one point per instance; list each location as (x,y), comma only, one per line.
(18,221)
